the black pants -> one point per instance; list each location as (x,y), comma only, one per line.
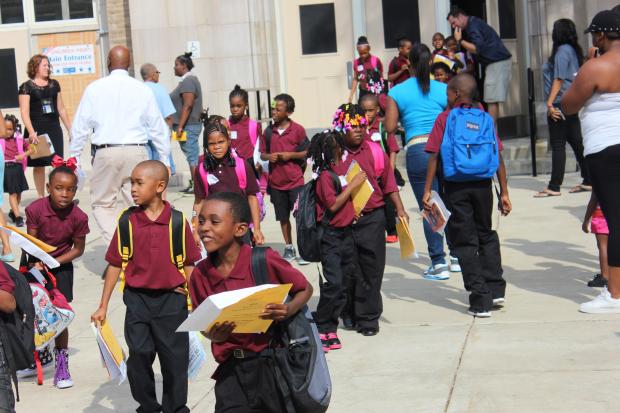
(604,167)
(560,132)
(369,254)
(336,260)
(474,241)
(247,386)
(390,217)
(150,323)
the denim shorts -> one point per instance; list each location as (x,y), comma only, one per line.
(190,147)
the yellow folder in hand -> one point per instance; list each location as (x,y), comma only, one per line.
(407,247)
(111,343)
(361,195)
(45,247)
(181,138)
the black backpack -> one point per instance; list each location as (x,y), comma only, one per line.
(309,231)
(17,328)
(299,363)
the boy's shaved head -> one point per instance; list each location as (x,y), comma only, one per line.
(464,83)
(154,169)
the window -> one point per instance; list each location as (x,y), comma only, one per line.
(51,10)
(318,28)
(11,11)
(507,22)
(400,19)
(8,74)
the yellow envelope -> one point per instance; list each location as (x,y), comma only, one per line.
(245,312)
(111,343)
(45,247)
(361,195)
(182,138)
(407,247)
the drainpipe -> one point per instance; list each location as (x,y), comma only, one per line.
(104,34)
(280,43)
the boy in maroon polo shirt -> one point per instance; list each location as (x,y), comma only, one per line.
(470,231)
(154,294)
(398,71)
(284,144)
(7,306)
(369,229)
(244,380)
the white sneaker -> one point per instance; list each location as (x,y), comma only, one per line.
(480,314)
(454,265)
(499,302)
(301,261)
(438,272)
(603,303)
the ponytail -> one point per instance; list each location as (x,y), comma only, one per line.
(420,57)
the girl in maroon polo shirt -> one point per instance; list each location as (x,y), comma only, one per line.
(244,380)
(58,221)
(244,132)
(334,209)
(16,151)
(221,170)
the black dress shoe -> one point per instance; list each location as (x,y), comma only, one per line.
(368,331)
(12,216)
(347,323)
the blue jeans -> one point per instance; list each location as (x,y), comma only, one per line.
(154,156)
(417,161)
(191,147)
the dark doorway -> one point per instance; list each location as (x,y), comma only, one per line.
(476,8)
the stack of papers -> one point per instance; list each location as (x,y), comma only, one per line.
(407,247)
(242,307)
(438,216)
(31,245)
(197,354)
(112,354)
(361,195)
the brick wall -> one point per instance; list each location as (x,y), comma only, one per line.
(119,24)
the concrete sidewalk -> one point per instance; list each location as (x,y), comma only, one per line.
(538,353)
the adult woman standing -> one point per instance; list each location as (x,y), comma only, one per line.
(187,100)
(558,73)
(417,102)
(596,92)
(41,107)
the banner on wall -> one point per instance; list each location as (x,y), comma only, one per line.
(71,60)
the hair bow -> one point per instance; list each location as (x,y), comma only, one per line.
(70,163)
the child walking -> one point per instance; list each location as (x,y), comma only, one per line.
(220,169)
(244,381)
(155,294)
(368,72)
(468,194)
(16,151)
(594,221)
(58,221)
(285,145)
(368,230)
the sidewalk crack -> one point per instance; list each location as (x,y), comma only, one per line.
(458,365)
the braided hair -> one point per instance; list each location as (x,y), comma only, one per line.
(323,147)
(216,124)
(347,116)
(239,92)
(14,121)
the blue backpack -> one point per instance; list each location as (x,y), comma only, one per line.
(469,151)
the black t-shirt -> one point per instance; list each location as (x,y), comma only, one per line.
(42,99)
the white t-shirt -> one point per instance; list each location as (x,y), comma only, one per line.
(599,122)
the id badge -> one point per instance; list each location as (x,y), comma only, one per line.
(233,135)
(376,137)
(343,181)
(47,106)
(360,68)
(212,179)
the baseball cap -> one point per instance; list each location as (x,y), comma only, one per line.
(604,22)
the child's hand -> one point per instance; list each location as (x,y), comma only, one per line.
(405,67)
(98,316)
(585,226)
(284,156)
(220,332)
(358,180)
(259,168)
(181,290)
(259,239)
(276,312)
(426,198)
(402,214)
(19,157)
(506,205)
(273,157)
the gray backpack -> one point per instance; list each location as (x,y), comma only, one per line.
(300,365)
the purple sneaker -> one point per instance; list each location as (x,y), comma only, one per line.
(62,378)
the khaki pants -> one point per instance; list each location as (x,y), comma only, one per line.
(110,184)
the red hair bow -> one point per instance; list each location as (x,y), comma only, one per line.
(70,163)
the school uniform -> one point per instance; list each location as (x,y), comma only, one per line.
(58,227)
(14,176)
(224,179)
(244,379)
(154,311)
(337,251)
(285,178)
(240,136)
(368,238)
(366,71)
(395,66)
(7,399)
(470,231)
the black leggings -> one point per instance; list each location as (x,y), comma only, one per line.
(604,168)
(560,132)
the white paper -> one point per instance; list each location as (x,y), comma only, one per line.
(197,354)
(437,226)
(22,242)
(115,371)
(343,181)
(212,179)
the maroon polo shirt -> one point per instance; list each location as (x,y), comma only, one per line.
(56,227)
(151,266)
(6,283)
(285,175)
(206,280)
(395,66)
(435,139)
(326,196)
(392,143)
(240,136)
(227,180)
(382,187)
(10,150)
(366,66)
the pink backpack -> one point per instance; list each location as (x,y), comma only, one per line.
(378,157)
(253,129)
(374,61)
(20,148)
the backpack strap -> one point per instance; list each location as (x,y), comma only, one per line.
(125,241)
(268,134)
(328,215)
(259,265)
(242,175)
(383,133)
(373,61)
(177,246)
(253,130)
(203,176)
(10,358)
(378,157)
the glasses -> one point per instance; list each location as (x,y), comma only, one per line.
(157,72)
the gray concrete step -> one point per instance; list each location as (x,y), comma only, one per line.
(518,157)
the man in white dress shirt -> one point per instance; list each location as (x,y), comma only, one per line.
(122,114)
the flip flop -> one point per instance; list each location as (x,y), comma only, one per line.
(546,193)
(580,188)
